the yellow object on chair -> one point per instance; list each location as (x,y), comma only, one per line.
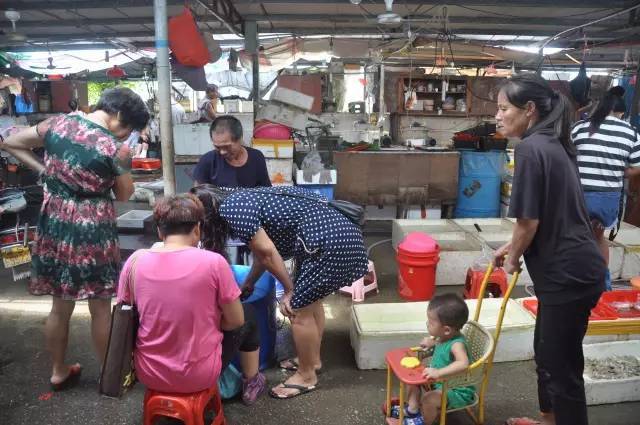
(410,362)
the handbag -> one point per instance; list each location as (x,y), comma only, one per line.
(118,372)
(354,212)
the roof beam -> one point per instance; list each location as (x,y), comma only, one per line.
(69,46)
(225,12)
(569,4)
(560,22)
(73,5)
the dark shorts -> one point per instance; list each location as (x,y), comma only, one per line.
(603,207)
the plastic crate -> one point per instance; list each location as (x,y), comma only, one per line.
(325,190)
(608,298)
(600,312)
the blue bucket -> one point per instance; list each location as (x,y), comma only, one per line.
(263,299)
(479,182)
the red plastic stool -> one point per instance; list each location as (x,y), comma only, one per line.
(189,408)
(496,287)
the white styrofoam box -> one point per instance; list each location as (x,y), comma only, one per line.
(246,106)
(284,115)
(315,178)
(485,225)
(293,98)
(423,212)
(378,328)
(495,240)
(628,235)
(280,170)
(377,212)
(134,219)
(231,106)
(607,391)
(458,251)
(192,139)
(272,148)
(631,262)
(402,227)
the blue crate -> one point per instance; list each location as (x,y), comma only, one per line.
(321,189)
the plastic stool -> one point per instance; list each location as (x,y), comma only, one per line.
(358,289)
(496,287)
(189,408)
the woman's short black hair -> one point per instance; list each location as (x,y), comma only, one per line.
(227,123)
(124,102)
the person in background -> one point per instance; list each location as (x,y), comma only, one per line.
(208,106)
(290,222)
(178,114)
(231,164)
(607,147)
(76,255)
(192,323)
(23,102)
(553,232)
(446,315)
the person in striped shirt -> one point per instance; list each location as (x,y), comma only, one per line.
(607,146)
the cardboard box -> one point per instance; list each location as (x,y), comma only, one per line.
(280,170)
(272,148)
(315,178)
(292,98)
(284,115)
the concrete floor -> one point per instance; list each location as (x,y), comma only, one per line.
(346,396)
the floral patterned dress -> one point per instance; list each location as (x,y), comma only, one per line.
(77,255)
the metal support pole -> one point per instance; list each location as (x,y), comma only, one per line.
(164,95)
(251,45)
(633,114)
(381,105)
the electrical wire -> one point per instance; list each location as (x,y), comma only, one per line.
(521,16)
(448,35)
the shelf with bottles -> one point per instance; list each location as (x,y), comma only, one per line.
(430,93)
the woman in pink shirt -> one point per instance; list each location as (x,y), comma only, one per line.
(191,320)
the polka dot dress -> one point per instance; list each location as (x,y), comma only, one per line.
(328,248)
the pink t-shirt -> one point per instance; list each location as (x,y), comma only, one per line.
(178,295)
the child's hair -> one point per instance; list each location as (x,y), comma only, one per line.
(450,309)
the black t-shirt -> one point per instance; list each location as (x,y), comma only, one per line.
(563,259)
(213,169)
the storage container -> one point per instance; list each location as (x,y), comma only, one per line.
(417,259)
(378,328)
(605,391)
(274,148)
(325,190)
(480,176)
(263,300)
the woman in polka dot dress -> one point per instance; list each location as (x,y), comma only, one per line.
(290,222)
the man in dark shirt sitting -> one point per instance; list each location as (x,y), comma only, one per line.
(231,164)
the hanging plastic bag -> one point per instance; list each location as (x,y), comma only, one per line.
(311,165)
(230,382)
(186,42)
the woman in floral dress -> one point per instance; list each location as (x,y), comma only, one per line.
(77,256)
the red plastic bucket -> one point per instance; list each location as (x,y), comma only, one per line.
(270,130)
(418,257)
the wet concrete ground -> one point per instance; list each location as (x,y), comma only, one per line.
(347,396)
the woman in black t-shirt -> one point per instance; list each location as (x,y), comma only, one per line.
(554,234)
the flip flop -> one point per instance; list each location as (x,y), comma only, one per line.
(301,390)
(71,380)
(294,366)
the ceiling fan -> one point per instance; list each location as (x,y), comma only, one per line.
(50,66)
(391,18)
(13,36)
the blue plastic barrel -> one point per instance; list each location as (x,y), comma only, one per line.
(263,299)
(479,179)
(321,189)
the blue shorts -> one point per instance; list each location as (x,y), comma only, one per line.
(604,207)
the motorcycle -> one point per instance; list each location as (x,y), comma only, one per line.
(19,211)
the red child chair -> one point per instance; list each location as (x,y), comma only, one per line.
(189,408)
